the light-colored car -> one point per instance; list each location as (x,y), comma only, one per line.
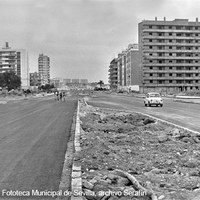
(153,98)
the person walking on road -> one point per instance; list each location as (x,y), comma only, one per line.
(61,95)
(57,96)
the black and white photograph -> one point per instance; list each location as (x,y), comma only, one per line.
(100,99)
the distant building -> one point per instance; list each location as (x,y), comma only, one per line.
(132,65)
(66,81)
(83,81)
(113,74)
(170,55)
(124,71)
(57,82)
(44,69)
(75,80)
(34,79)
(15,60)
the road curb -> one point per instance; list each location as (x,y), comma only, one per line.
(182,101)
(76,179)
(66,177)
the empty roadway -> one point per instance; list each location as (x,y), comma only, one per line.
(33,140)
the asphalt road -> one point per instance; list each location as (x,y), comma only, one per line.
(33,140)
(183,114)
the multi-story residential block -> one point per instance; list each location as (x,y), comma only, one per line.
(15,60)
(75,80)
(119,70)
(67,81)
(132,65)
(57,82)
(34,79)
(83,81)
(170,54)
(44,69)
(113,74)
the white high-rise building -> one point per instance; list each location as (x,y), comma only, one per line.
(44,69)
(15,60)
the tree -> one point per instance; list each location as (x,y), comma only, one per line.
(10,80)
(101,83)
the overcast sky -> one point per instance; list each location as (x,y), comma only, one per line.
(81,37)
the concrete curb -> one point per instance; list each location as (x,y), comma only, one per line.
(76,179)
(184,101)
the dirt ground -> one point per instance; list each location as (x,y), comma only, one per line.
(130,156)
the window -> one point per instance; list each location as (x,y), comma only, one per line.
(170,27)
(150,33)
(151,74)
(170,34)
(170,54)
(170,47)
(170,67)
(150,67)
(178,68)
(150,40)
(151,81)
(170,74)
(150,26)
(150,47)
(150,61)
(170,81)
(170,40)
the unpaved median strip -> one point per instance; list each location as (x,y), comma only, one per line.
(126,154)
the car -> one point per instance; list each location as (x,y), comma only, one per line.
(153,98)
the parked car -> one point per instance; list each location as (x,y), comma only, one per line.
(153,98)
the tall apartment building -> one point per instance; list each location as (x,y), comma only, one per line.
(132,65)
(170,54)
(15,60)
(122,68)
(113,74)
(44,69)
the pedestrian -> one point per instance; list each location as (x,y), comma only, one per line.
(57,95)
(63,96)
(60,96)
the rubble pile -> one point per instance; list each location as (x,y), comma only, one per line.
(131,156)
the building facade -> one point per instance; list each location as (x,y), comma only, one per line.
(132,65)
(44,69)
(124,71)
(34,79)
(169,55)
(113,74)
(15,60)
